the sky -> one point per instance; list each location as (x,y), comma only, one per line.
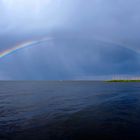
(69,39)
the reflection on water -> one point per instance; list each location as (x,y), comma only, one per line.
(69,110)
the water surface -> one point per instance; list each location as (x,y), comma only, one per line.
(67,110)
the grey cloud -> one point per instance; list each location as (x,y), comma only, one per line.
(91,38)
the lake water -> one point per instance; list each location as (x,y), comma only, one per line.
(69,110)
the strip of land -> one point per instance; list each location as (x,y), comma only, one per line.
(123,81)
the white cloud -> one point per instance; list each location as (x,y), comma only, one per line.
(26,15)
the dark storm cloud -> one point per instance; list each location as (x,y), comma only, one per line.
(64,59)
(91,38)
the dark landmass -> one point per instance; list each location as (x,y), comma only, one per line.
(123,81)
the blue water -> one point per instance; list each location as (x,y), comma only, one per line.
(69,110)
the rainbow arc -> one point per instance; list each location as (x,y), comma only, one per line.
(22,45)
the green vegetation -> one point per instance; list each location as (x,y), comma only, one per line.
(123,81)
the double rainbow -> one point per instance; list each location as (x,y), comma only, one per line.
(22,45)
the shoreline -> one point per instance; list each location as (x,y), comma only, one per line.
(124,81)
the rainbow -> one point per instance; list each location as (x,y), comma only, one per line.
(39,41)
(22,45)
